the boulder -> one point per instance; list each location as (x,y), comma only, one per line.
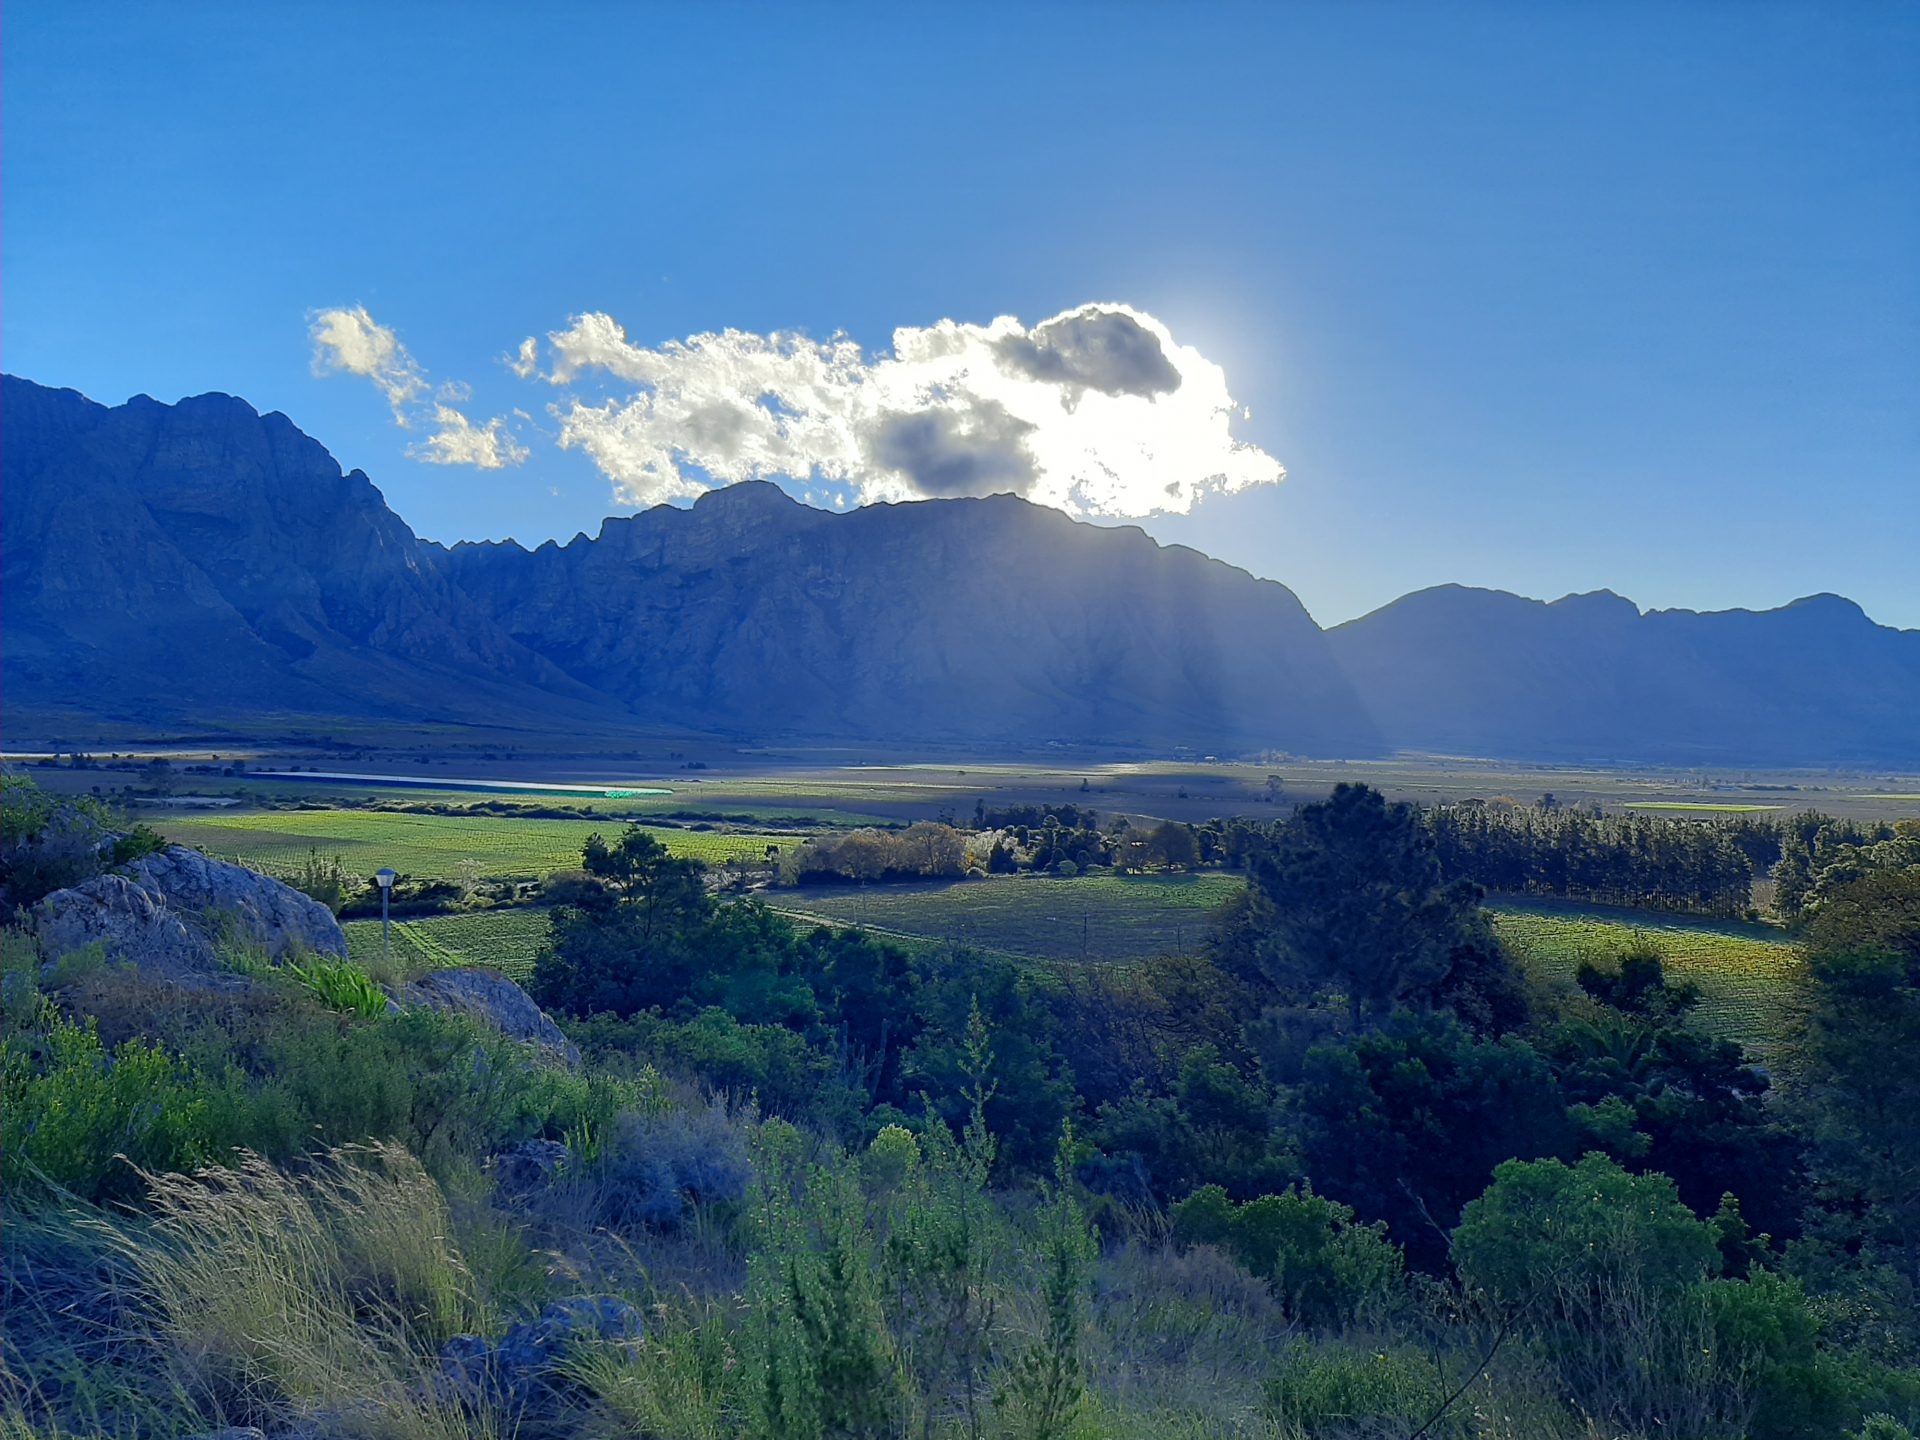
(521,1370)
(129,923)
(168,912)
(493,999)
(269,912)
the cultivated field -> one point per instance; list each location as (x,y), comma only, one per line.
(1748,975)
(432,846)
(507,940)
(1098,918)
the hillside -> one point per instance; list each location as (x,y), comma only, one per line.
(1481,672)
(203,566)
(966,620)
(201,563)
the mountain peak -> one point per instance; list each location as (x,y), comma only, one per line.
(746,497)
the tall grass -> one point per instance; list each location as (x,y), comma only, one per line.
(326,1293)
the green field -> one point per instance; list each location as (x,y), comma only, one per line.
(432,846)
(1747,974)
(1099,917)
(505,939)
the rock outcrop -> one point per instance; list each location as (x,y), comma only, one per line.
(522,1370)
(493,999)
(170,912)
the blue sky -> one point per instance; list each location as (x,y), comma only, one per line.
(1547,298)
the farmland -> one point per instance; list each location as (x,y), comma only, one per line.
(507,940)
(1747,974)
(432,846)
(1101,918)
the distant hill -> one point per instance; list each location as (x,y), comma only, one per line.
(1589,677)
(203,564)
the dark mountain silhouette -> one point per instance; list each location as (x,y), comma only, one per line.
(1589,677)
(203,563)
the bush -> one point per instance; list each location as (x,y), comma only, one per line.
(445,1086)
(339,985)
(1325,1267)
(657,1164)
(77,1116)
(46,843)
(1334,1392)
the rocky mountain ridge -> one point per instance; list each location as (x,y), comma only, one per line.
(201,564)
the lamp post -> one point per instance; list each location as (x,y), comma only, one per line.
(384,878)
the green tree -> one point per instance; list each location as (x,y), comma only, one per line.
(1354,901)
(1858,1095)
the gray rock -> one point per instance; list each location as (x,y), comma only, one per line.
(130,923)
(528,1168)
(520,1369)
(490,997)
(168,912)
(269,912)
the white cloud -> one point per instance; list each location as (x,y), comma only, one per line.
(349,341)
(1096,411)
(458,441)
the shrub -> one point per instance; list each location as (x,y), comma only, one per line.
(656,1164)
(339,984)
(70,1111)
(323,878)
(1324,1266)
(47,843)
(447,1087)
(1333,1392)
(138,843)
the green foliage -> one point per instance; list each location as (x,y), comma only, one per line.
(1617,1281)
(1639,985)
(1343,1390)
(823,1353)
(441,1084)
(136,844)
(1352,902)
(77,1116)
(1046,1380)
(1325,1267)
(338,984)
(892,1157)
(1407,1123)
(1655,862)
(47,842)
(323,878)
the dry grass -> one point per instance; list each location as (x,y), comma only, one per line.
(325,1294)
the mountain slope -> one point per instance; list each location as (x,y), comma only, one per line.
(1589,677)
(201,563)
(983,620)
(180,562)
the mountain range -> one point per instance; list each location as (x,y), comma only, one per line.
(200,567)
